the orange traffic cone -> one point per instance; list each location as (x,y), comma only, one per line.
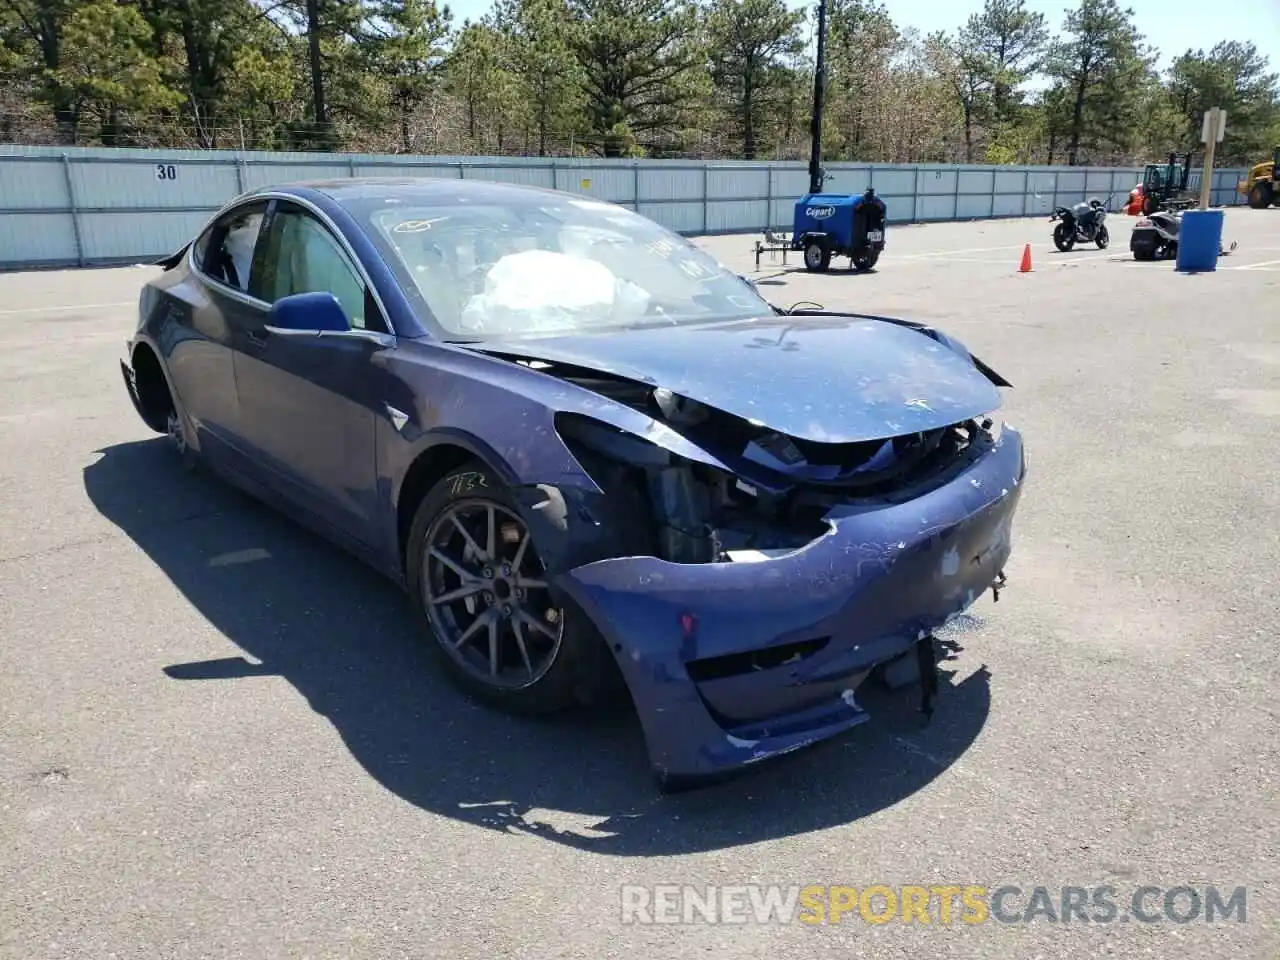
(1026,260)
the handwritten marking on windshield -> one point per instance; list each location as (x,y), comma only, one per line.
(415,226)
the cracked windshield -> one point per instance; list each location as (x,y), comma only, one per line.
(556,267)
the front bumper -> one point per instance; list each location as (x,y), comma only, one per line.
(731,663)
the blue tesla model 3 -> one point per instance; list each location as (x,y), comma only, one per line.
(599,463)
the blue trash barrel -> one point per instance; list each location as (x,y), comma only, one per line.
(1199,240)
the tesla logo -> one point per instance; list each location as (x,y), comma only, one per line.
(819,213)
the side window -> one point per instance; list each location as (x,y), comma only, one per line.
(225,251)
(303,257)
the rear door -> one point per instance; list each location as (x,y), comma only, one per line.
(309,405)
(218,302)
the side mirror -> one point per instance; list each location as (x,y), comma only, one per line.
(308,313)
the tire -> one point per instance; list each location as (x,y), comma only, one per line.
(1144,252)
(817,256)
(1103,238)
(564,657)
(1064,237)
(865,260)
(1261,196)
(176,432)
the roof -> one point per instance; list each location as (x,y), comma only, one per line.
(436,189)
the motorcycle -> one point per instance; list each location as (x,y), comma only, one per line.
(1081,223)
(1155,237)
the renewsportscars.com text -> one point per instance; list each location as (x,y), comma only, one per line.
(930,904)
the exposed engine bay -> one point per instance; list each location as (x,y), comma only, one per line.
(781,489)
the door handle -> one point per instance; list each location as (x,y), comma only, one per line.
(257,337)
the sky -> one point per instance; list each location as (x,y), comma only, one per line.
(1172,26)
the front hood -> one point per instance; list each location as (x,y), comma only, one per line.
(822,379)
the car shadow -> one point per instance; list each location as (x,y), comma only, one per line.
(342,635)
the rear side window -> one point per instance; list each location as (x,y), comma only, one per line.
(225,251)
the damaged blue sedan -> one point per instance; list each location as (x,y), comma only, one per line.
(598,462)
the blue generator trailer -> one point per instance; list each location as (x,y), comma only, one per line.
(830,225)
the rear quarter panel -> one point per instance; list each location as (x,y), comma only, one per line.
(192,338)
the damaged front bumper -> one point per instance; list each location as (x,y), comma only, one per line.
(730,663)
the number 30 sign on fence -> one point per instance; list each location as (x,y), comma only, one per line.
(166,171)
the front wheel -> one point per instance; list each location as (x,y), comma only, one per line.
(817,256)
(1261,196)
(1064,237)
(481,590)
(1103,238)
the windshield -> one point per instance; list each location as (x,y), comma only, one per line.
(553,265)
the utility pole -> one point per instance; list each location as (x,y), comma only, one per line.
(819,97)
(1212,130)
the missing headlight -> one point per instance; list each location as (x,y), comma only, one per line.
(695,513)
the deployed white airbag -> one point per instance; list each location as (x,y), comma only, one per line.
(543,289)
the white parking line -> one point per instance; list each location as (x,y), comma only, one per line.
(946,253)
(68,306)
(1265,264)
(1056,261)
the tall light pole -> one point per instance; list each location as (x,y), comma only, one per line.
(819,96)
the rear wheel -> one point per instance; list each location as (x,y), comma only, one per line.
(157,406)
(1064,237)
(817,256)
(865,259)
(1144,251)
(1261,196)
(481,590)
(176,431)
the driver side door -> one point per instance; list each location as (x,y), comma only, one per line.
(308,404)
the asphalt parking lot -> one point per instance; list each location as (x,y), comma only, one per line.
(220,737)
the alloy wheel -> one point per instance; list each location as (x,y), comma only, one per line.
(485,594)
(174,431)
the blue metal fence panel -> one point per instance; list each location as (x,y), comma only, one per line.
(137,236)
(33,185)
(687,183)
(66,206)
(681,217)
(38,238)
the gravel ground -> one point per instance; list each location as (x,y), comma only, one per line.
(219,737)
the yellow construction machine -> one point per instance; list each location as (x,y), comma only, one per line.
(1262,186)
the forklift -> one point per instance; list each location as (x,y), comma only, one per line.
(1168,187)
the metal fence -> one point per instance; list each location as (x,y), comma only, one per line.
(68,207)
